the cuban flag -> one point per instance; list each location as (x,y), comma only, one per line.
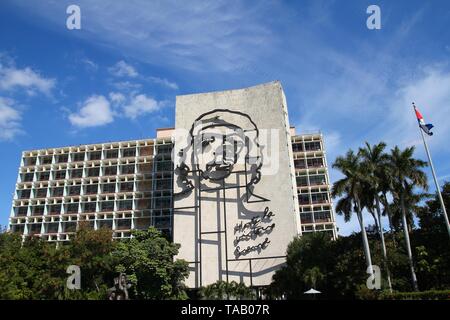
(426,127)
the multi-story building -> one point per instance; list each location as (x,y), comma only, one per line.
(313,184)
(135,184)
(118,185)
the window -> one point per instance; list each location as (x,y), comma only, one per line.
(107,206)
(69,226)
(319,197)
(46,160)
(297,147)
(97,155)
(161,203)
(21,211)
(60,175)
(146,151)
(43,176)
(109,188)
(306,217)
(89,207)
(315,163)
(302,181)
(125,205)
(317,180)
(28,177)
(299,164)
(57,192)
(127,186)
(37,210)
(303,199)
(312,146)
(111,154)
(78,157)
(111,171)
(167,148)
(76,173)
(35,228)
(164,166)
(123,224)
(62,158)
(130,152)
(127,169)
(92,189)
(52,227)
(93,172)
(163,184)
(41,193)
(54,209)
(322,216)
(23,194)
(72,208)
(29,161)
(74,190)
(105,224)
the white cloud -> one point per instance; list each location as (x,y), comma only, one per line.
(193,34)
(139,105)
(431,94)
(127,85)
(96,111)
(9,120)
(90,64)
(164,82)
(123,69)
(116,98)
(12,77)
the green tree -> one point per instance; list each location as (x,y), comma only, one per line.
(352,188)
(407,173)
(222,290)
(374,162)
(310,258)
(148,260)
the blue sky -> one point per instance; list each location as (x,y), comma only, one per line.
(66,87)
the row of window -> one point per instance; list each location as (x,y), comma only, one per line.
(308,163)
(315,180)
(79,173)
(76,190)
(94,206)
(160,222)
(306,146)
(313,198)
(319,216)
(163,222)
(87,156)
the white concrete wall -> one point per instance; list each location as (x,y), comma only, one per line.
(266,106)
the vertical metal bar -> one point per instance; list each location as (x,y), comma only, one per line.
(225,222)
(200,231)
(251,273)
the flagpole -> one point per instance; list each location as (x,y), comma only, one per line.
(438,189)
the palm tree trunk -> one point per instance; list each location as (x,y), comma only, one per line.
(408,245)
(388,213)
(377,227)
(383,244)
(365,241)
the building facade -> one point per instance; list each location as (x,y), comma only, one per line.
(232,183)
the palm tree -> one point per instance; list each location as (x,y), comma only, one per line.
(374,161)
(407,174)
(313,276)
(351,188)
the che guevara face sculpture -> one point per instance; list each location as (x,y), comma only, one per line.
(221,142)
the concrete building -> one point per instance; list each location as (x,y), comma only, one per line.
(232,183)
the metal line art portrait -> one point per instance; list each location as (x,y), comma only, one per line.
(223,154)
